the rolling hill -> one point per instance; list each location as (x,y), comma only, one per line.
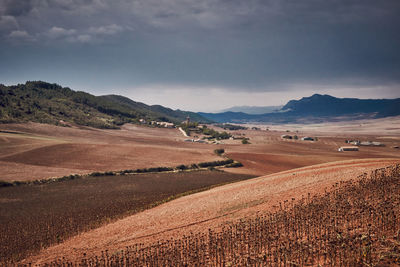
(317,108)
(43,102)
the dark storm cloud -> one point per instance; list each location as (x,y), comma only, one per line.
(243,45)
(15,8)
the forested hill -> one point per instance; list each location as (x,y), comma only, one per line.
(161,112)
(43,102)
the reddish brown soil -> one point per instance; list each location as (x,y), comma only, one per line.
(269,153)
(51,212)
(211,209)
(36,151)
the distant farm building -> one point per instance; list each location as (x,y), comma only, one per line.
(163,124)
(348,148)
(196,141)
(370,143)
(353,142)
(364,143)
(307,138)
(187,121)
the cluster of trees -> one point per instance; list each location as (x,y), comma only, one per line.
(213,134)
(53,104)
(50,103)
(232,127)
(191,126)
(245,141)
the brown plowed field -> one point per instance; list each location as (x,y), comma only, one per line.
(36,151)
(52,212)
(211,209)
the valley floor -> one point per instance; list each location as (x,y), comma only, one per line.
(287,169)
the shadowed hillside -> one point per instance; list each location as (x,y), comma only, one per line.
(163,113)
(43,102)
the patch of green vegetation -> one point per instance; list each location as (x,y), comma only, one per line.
(245,141)
(203,129)
(213,134)
(229,163)
(227,126)
(215,163)
(156,112)
(219,151)
(190,127)
(43,102)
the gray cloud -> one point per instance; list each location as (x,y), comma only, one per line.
(21,35)
(252,45)
(57,32)
(107,30)
(15,7)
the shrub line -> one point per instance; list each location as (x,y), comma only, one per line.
(228,163)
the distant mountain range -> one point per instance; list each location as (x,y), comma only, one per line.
(316,108)
(50,103)
(253,109)
(39,101)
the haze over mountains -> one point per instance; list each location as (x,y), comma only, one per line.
(253,109)
(316,108)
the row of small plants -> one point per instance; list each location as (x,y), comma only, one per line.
(228,163)
(356,223)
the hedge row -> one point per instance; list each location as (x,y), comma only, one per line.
(229,163)
(215,163)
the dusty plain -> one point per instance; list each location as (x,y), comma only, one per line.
(36,151)
(287,169)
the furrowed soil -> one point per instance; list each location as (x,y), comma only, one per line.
(210,209)
(36,216)
(288,169)
(35,151)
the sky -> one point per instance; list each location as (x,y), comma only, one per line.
(205,55)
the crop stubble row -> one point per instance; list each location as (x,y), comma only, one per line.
(356,223)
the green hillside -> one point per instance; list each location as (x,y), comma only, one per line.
(43,102)
(163,113)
